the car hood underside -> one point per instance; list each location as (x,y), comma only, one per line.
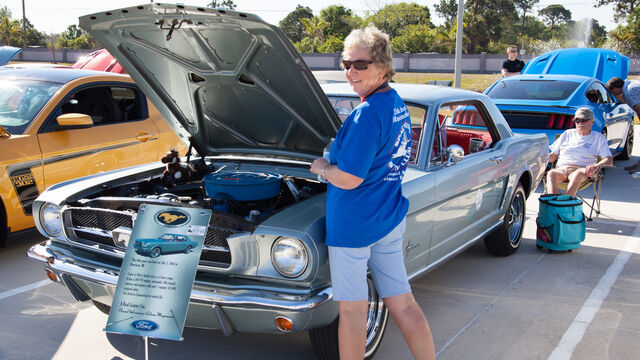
(232,81)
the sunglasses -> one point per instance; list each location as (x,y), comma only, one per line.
(512,51)
(357,64)
(580,120)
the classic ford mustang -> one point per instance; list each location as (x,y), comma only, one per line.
(165,244)
(258,117)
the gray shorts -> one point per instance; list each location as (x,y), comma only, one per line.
(385,259)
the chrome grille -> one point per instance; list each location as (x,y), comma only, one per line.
(93,226)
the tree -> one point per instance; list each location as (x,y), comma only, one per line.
(332,44)
(627,37)
(314,28)
(414,39)
(554,15)
(486,21)
(292,26)
(340,19)
(525,6)
(448,9)
(394,17)
(623,8)
(445,41)
(223,4)
(34,37)
(75,38)
(9,28)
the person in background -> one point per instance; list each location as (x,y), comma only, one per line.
(365,208)
(628,92)
(577,152)
(512,66)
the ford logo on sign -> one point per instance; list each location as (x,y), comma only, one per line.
(144,325)
(172,217)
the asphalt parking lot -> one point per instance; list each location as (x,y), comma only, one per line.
(532,305)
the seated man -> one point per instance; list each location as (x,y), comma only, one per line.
(577,151)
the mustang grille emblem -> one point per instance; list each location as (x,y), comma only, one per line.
(172,217)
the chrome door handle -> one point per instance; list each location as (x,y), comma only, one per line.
(497,159)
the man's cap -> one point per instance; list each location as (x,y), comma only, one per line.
(584,113)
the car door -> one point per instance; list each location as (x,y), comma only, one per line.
(417,186)
(121,135)
(469,191)
(615,115)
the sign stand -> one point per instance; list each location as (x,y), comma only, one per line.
(146,347)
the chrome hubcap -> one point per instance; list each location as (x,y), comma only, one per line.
(516,218)
(375,317)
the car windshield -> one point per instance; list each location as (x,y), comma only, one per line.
(21,101)
(533,89)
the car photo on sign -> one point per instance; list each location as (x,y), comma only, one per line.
(165,244)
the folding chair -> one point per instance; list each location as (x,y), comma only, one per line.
(595,181)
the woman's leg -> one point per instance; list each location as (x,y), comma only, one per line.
(352,329)
(413,324)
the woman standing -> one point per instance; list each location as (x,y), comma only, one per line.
(365,207)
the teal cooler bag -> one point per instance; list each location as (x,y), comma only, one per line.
(561,225)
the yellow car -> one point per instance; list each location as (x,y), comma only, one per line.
(59,124)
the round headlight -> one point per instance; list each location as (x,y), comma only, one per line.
(289,257)
(50,219)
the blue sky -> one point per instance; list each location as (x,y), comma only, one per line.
(54,16)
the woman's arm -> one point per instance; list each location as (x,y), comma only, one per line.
(335,176)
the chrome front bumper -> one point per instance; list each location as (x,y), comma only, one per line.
(228,309)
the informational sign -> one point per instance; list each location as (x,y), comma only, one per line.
(158,271)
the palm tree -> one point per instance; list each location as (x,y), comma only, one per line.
(314,28)
(9,28)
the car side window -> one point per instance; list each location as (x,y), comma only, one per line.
(462,124)
(345,105)
(597,94)
(105,104)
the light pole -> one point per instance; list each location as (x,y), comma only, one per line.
(458,60)
(24,28)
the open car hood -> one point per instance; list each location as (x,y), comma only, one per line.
(7,53)
(234,82)
(602,64)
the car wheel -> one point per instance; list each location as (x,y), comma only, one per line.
(628,147)
(105,309)
(324,340)
(155,252)
(505,240)
(188,249)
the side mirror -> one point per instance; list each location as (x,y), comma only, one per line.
(4,133)
(74,121)
(455,153)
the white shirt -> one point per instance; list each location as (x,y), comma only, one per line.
(579,150)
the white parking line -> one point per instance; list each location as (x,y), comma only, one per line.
(576,330)
(25,288)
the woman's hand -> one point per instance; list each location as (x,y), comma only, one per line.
(319,164)
(335,176)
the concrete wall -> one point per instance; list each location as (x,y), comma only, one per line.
(471,63)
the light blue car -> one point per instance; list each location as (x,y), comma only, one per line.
(165,244)
(552,86)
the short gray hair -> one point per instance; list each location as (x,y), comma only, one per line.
(377,44)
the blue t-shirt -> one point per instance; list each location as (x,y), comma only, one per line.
(374,143)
